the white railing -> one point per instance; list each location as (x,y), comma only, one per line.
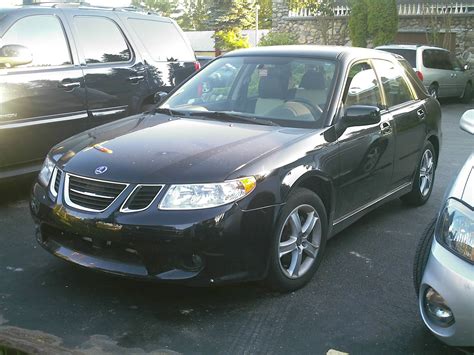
(403,10)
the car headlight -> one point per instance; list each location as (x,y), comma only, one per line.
(46,171)
(198,196)
(455,229)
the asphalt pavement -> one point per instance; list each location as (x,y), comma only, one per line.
(361,301)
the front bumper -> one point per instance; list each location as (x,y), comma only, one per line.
(453,279)
(202,247)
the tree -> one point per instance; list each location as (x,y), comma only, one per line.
(358,31)
(231,39)
(168,8)
(194,15)
(382,21)
(265,14)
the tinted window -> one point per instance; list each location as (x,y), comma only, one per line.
(43,36)
(408,54)
(101,40)
(437,59)
(396,88)
(362,87)
(162,40)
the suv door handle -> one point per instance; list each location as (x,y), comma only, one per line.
(385,128)
(420,113)
(136,78)
(68,85)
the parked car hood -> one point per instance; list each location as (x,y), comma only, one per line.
(463,186)
(158,148)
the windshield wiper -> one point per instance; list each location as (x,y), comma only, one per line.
(168,111)
(229,116)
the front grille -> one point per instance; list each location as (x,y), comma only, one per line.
(141,198)
(90,194)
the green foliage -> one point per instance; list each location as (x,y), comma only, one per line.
(194,15)
(226,15)
(358,30)
(265,14)
(168,8)
(316,7)
(382,21)
(230,39)
(278,38)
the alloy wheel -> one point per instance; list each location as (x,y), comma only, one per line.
(299,241)
(426,172)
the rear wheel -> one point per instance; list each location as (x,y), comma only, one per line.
(433,90)
(467,95)
(423,179)
(422,253)
(299,241)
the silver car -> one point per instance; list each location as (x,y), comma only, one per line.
(441,72)
(444,260)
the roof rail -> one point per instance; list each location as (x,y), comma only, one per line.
(84,4)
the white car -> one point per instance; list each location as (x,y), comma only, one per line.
(444,260)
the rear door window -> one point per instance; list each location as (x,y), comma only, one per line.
(437,59)
(162,40)
(44,36)
(396,88)
(101,40)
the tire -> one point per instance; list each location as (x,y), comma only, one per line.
(421,193)
(304,244)
(467,95)
(433,90)
(421,255)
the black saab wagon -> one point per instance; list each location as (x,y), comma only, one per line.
(244,171)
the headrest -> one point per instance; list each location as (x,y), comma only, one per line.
(271,87)
(313,80)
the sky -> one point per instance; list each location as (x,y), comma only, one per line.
(92,2)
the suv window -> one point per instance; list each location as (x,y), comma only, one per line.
(437,59)
(162,40)
(44,36)
(101,40)
(395,86)
(362,87)
(408,54)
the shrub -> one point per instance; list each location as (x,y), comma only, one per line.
(278,38)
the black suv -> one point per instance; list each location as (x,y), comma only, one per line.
(67,68)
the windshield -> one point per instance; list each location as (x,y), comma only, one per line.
(288,91)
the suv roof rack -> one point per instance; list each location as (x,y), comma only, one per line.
(86,5)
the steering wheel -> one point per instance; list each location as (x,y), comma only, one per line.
(315,109)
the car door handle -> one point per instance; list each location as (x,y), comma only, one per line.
(136,78)
(420,113)
(68,85)
(385,128)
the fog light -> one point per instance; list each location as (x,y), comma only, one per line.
(437,309)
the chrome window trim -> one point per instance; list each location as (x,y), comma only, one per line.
(82,208)
(123,209)
(52,181)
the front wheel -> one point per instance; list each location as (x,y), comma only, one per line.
(467,95)
(423,179)
(299,241)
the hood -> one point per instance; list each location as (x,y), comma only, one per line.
(463,186)
(158,149)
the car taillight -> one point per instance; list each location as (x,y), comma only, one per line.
(419,74)
(197,66)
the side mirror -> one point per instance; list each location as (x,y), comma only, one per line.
(160,96)
(13,55)
(361,115)
(467,121)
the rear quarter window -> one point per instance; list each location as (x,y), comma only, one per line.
(162,40)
